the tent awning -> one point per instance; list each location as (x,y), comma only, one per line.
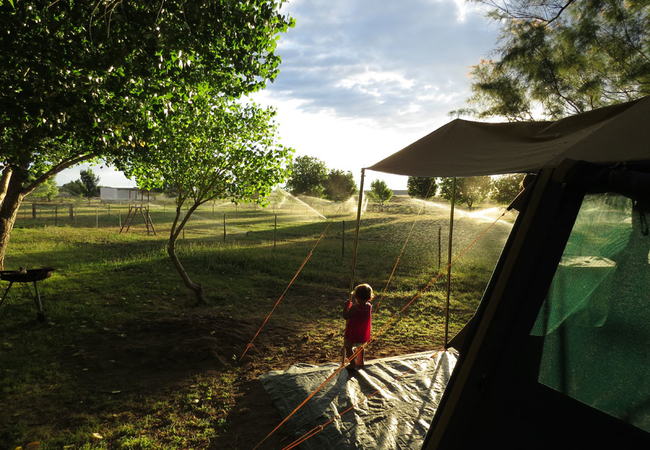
(617,133)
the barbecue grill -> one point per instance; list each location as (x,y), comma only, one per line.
(27,276)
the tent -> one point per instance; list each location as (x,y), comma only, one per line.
(558,352)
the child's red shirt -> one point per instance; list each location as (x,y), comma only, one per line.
(359,325)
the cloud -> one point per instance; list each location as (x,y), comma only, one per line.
(393,63)
(108,176)
(362,79)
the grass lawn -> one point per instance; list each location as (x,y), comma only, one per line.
(125,359)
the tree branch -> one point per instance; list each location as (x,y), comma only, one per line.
(65,164)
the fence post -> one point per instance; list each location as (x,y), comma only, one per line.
(33,210)
(96,217)
(224,227)
(342,239)
(439,247)
(275,231)
(71,212)
(56,215)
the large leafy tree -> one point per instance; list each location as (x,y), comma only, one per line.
(469,190)
(45,191)
(421,187)
(90,182)
(208,149)
(380,192)
(87,79)
(339,185)
(307,176)
(506,187)
(73,188)
(563,57)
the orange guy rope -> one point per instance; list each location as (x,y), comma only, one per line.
(399,258)
(276,304)
(313,432)
(382,329)
(250,344)
(356,231)
(336,372)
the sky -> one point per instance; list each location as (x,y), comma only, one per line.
(362,79)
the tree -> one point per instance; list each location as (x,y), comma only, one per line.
(89,80)
(565,56)
(469,190)
(73,188)
(307,177)
(211,149)
(379,192)
(46,190)
(90,183)
(506,187)
(421,187)
(339,185)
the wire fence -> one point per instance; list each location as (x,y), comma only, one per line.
(286,218)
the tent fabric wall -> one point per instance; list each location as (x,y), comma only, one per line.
(618,133)
(494,397)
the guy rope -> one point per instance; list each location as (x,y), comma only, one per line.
(309,255)
(381,331)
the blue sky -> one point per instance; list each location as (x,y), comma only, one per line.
(361,79)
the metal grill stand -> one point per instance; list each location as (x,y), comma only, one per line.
(27,276)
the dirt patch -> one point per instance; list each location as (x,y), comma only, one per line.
(159,355)
(158,351)
(119,372)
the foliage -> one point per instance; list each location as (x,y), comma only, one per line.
(211,149)
(421,187)
(90,183)
(506,187)
(469,190)
(46,190)
(563,56)
(339,185)
(88,80)
(307,177)
(379,192)
(74,188)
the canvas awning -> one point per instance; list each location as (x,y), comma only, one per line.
(618,133)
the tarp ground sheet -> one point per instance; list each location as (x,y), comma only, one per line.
(398,417)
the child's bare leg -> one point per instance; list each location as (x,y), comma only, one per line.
(348,352)
(361,358)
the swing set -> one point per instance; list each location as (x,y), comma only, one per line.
(388,323)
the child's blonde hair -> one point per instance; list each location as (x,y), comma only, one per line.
(363,292)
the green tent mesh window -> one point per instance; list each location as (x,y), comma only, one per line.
(595,321)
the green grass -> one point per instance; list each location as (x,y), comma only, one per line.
(111,285)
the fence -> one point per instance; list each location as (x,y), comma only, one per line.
(218,220)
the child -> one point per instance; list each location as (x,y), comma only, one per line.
(357,329)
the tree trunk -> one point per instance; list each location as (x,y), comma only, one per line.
(194,287)
(8,212)
(4,182)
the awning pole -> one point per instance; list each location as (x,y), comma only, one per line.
(356,231)
(451,235)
